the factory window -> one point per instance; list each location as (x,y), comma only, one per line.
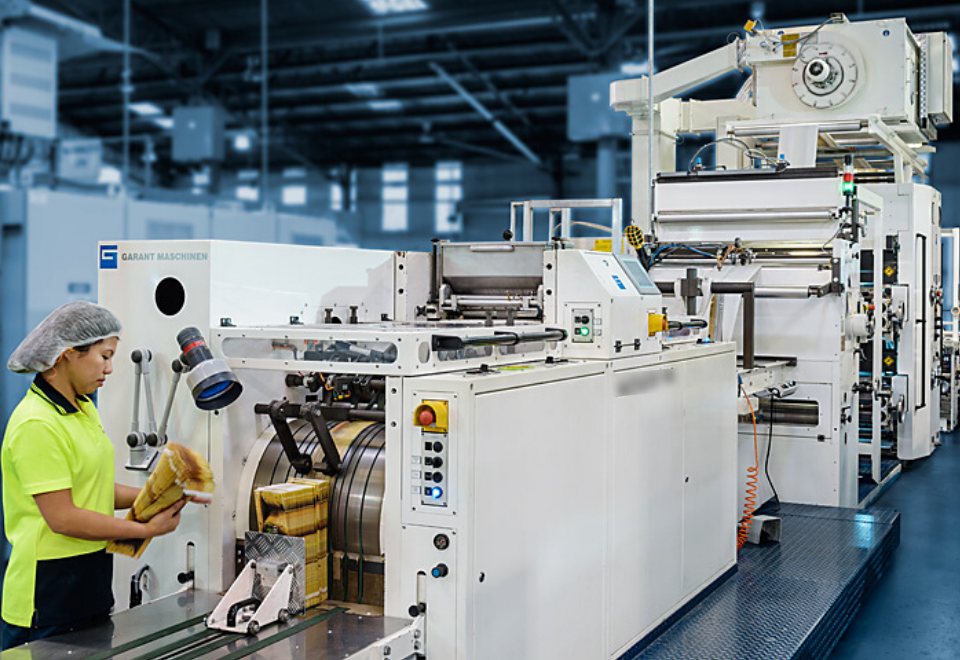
(395,197)
(336,197)
(449,192)
(294,195)
(248,193)
(110,174)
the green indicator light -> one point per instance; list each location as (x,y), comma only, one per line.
(847,187)
(584,331)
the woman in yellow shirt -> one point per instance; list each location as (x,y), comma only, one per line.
(59,492)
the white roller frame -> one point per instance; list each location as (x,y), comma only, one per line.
(563,207)
(821,215)
(952,327)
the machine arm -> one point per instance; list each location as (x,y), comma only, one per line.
(631,95)
(455,342)
(279,411)
(313,413)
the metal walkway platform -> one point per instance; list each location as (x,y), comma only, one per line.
(792,600)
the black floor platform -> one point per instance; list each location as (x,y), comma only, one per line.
(789,600)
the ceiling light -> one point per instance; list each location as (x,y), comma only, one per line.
(384,7)
(164,122)
(363,90)
(385,106)
(635,68)
(241,142)
(145,109)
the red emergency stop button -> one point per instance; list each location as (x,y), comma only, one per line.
(427,417)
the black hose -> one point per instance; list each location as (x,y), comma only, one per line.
(766,461)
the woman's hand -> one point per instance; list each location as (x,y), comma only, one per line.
(166,521)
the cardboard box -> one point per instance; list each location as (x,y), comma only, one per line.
(318,581)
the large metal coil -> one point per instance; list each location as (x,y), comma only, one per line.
(356,499)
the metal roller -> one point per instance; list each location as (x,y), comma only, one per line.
(803,413)
(356,498)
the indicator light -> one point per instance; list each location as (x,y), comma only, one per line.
(584,331)
(436,492)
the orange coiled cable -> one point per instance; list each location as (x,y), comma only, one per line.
(750,501)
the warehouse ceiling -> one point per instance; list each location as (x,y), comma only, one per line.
(347,86)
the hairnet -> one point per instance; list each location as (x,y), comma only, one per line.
(69,326)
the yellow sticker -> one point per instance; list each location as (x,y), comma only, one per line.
(889,271)
(790,42)
(888,361)
(603,245)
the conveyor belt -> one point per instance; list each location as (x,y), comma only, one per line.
(172,629)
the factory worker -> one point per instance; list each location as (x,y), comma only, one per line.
(59,493)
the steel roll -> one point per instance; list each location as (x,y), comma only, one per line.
(356,497)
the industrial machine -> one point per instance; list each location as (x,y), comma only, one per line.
(808,241)
(517,472)
(950,348)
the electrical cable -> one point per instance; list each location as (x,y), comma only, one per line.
(750,500)
(735,141)
(766,461)
(659,250)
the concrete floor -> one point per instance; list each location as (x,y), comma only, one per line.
(915,610)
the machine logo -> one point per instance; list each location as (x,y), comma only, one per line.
(108,257)
(619,282)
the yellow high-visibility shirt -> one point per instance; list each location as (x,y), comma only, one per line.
(49,445)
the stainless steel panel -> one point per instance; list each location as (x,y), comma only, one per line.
(277,549)
(123,628)
(332,639)
(492,268)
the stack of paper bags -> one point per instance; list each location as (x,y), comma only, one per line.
(300,508)
(180,473)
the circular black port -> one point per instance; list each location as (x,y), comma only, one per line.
(170,296)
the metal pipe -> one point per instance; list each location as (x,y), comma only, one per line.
(693,286)
(651,174)
(434,261)
(367,415)
(264,105)
(177,367)
(454,342)
(126,88)
(778,411)
(749,328)
(821,215)
(692,323)
(490,301)
(747,291)
(486,114)
(838,127)
(782,292)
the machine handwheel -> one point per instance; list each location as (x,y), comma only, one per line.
(283,615)
(253,628)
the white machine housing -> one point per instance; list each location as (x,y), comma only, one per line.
(586,500)
(872,90)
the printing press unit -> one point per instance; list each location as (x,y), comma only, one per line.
(533,445)
(780,243)
(463,444)
(950,349)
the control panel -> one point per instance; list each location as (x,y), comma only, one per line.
(584,326)
(430,465)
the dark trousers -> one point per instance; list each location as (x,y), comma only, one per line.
(17,635)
